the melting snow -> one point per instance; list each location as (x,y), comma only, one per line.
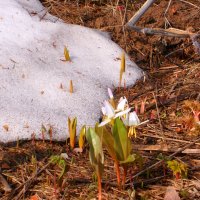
(32,71)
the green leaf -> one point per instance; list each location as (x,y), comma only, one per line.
(63,166)
(107,140)
(61,163)
(54,159)
(96,152)
(131,158)
(122,143)
(177,167)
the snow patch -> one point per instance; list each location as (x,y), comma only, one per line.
(32,70)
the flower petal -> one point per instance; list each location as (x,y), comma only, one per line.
(125,120)
(110,93)
(133,119)
(122,113)
(103,123)
(103,110)
(122,103)
(110,112)
(144,122)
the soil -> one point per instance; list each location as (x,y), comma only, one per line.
(141,48)
(169,94)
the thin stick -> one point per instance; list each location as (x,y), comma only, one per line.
(139,13)
(190,4)
(170,139)
(169,157)
(170,32)
(165,13)
(158,113)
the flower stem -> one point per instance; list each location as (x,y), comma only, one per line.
(124,175)
(99,187)
(117,172)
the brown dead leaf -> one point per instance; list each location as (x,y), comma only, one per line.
(171,194)
(6,127)
(5,166)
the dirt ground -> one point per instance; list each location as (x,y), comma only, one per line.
(170,91)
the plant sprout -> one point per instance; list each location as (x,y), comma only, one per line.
(71,87)
(72,131)
(122,68)
(81,141)
(66,54)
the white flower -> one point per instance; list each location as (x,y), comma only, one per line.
(110,113)
(132,121)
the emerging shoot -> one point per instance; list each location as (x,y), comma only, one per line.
(71,87)
(122,68)
(66,54)
(72,131)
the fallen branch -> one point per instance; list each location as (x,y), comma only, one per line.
(139,13)
(170,139)
(170,32)
(163,148)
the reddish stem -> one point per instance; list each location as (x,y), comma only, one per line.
(124,175)
(99,186)
(117,172)
(164,168)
